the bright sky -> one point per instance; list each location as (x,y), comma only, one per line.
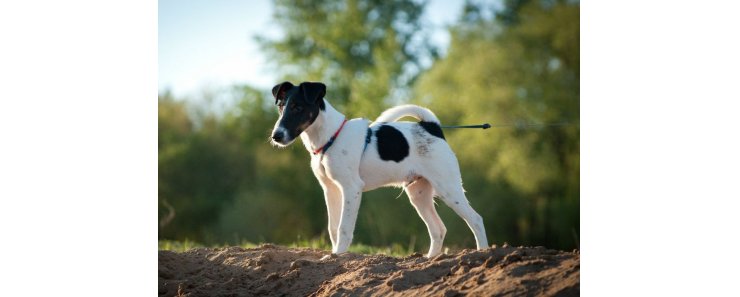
(207,44)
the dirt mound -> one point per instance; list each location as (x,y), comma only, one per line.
(278,271)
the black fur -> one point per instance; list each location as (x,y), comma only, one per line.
(314,92)
(392,146)
(299,105)
(432,128)
(279,91)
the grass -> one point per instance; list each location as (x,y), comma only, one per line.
(395,250)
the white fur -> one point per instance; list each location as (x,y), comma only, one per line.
(345,171)
(396,113)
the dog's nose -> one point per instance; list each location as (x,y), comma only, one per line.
(277,136)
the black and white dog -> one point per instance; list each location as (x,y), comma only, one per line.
(349,157)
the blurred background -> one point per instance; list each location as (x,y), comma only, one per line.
(502,62)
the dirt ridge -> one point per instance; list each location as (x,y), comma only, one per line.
(271,270)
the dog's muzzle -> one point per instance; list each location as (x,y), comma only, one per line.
(278,136)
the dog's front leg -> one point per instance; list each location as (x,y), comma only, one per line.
(333,197)
(351,196)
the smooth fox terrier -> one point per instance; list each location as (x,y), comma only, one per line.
(349,157)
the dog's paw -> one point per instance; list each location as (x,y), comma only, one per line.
(329,256)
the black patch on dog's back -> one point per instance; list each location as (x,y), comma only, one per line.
(392,146)
(432,128)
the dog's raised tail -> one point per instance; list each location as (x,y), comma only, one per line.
(396,113)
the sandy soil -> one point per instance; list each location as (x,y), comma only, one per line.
(277,271)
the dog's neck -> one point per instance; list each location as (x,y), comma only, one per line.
(322,129)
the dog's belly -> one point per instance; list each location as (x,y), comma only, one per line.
(377,173)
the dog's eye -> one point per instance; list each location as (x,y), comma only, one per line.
(297,108)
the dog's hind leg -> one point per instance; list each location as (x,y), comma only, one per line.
(453,195)
(421,194)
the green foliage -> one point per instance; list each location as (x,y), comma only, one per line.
(178,246)
(367,49)
(222,183)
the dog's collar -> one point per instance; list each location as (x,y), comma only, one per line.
(328,144)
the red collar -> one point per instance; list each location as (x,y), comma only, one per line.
(326,146)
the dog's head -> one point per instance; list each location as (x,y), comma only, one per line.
(299,107)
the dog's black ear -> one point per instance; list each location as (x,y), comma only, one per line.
(313,91)
(278,91)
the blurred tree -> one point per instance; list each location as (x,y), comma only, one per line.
(366,51)
(199,170)
(520,67)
